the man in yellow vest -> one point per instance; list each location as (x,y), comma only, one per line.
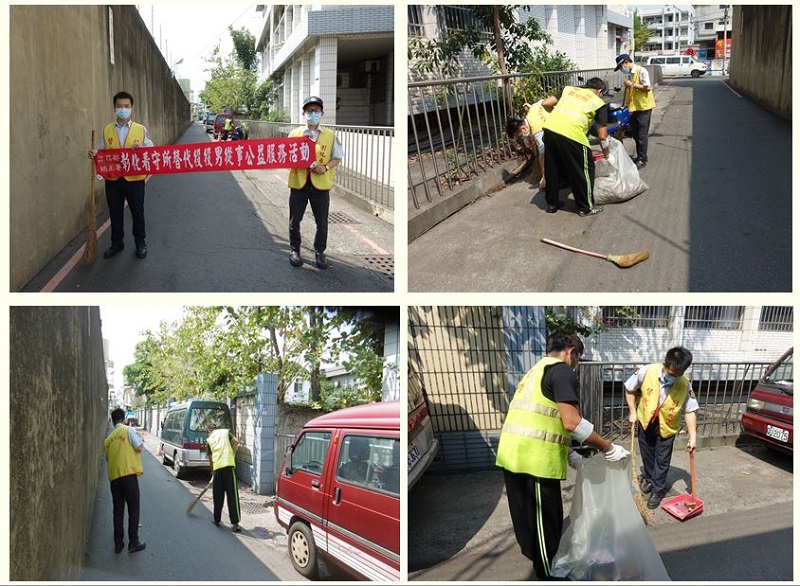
(313,185)
(534,448)
(529,131)
(221,447)
(227,127)
(572,114)
(640,101)
(123,448)
(665,394)
(125,133)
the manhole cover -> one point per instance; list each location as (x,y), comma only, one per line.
(340,218)
(383,265)
(253,508)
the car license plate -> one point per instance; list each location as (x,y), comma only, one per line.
(782,435)
(413,456)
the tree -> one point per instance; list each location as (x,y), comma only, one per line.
(244,48)
(641,34)
(233,77)
(585,321)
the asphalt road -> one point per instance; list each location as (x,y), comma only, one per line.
(228,231)
(717,216)
(182,547)
(459,528)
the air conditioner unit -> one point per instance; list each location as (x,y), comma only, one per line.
(342,80)
(372,66)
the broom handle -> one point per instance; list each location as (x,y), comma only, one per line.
(573,249)
(93,170)
(691,471)
(633,455)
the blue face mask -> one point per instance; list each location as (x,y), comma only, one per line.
(666,379)
(313,117)
(123,113)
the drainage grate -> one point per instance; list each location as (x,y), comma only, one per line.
(340,218)
(384,265)
(254,508)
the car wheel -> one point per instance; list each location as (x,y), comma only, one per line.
(303,550)
(180,472)
(695,74)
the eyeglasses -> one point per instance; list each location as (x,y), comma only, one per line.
(317,110)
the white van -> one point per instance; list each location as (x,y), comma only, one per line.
(678,65)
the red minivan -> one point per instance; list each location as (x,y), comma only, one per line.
(338,492)
(770,406)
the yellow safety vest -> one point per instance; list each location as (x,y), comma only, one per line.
(534,440)
(636,100)
(136,133)
(324,153)
(573,115)
(536,117)
(669,414)
(228,124)
(123,460)
(221,450)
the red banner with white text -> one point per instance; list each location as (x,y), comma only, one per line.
(237,155)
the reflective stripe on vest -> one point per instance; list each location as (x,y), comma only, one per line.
(669,414)
(221,450)
(136,133)
(324,153)
(573,115)
(123,460)
(536,117)
(534,440)
(639,101)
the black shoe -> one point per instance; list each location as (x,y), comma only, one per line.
(118,547)
(294,259)
(138,546)
(113,250)
(654,501)
(641,164)
(236,528)
(141,251)
(552,209)
(645,486)
(215,522)
(322,262)
(592,212)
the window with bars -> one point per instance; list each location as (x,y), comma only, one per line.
(776,318)
(415,24)
(642,316)
(705,317)
(453,18)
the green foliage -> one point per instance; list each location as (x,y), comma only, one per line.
(532,88)
(641,34)
(585,321)
(244,48)
(266,94)
(233,77)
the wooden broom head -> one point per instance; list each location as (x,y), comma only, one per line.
(628,260)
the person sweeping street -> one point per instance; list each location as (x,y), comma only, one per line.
(221,447)
(666,393)
(534,448)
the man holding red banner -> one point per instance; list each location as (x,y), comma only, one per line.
(313,184)
(125,133)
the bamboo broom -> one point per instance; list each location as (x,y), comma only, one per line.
(637,497)
(621,260)
(90,252)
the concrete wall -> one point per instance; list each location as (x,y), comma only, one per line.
(62,81)
(761,56)
(57,385)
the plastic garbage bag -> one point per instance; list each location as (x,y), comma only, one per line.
(616,177)
(606,538)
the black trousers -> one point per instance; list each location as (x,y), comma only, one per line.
(320,204)
(537,514)
(125,491)
(570,160)
(117,192)
(640,127)
(656,455)
(225,484)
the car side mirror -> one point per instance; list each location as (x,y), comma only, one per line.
(289,468)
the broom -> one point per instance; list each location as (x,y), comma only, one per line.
(90,252)
(199,496)
(637,497)
(623,261)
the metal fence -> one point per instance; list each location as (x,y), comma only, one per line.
(456,126)
(721,389)
(366,169)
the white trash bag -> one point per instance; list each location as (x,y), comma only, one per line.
(606,538)
(616,177)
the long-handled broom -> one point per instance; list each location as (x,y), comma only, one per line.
(90,252)
(621,260)
(637,497)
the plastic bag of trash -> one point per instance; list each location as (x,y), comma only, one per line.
(616,177)
(606,538)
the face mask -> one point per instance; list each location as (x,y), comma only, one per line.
(123,113)
(666,379)
(313,117)
(525,133)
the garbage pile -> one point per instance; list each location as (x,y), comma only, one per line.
(616,178)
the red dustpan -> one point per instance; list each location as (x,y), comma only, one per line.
(684,506)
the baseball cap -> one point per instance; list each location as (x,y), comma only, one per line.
(312,100)
(621,59)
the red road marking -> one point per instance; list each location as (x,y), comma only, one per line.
(377,249)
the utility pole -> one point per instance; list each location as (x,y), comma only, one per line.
(724,39)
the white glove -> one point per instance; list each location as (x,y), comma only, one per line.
(616,453)
(575,460)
